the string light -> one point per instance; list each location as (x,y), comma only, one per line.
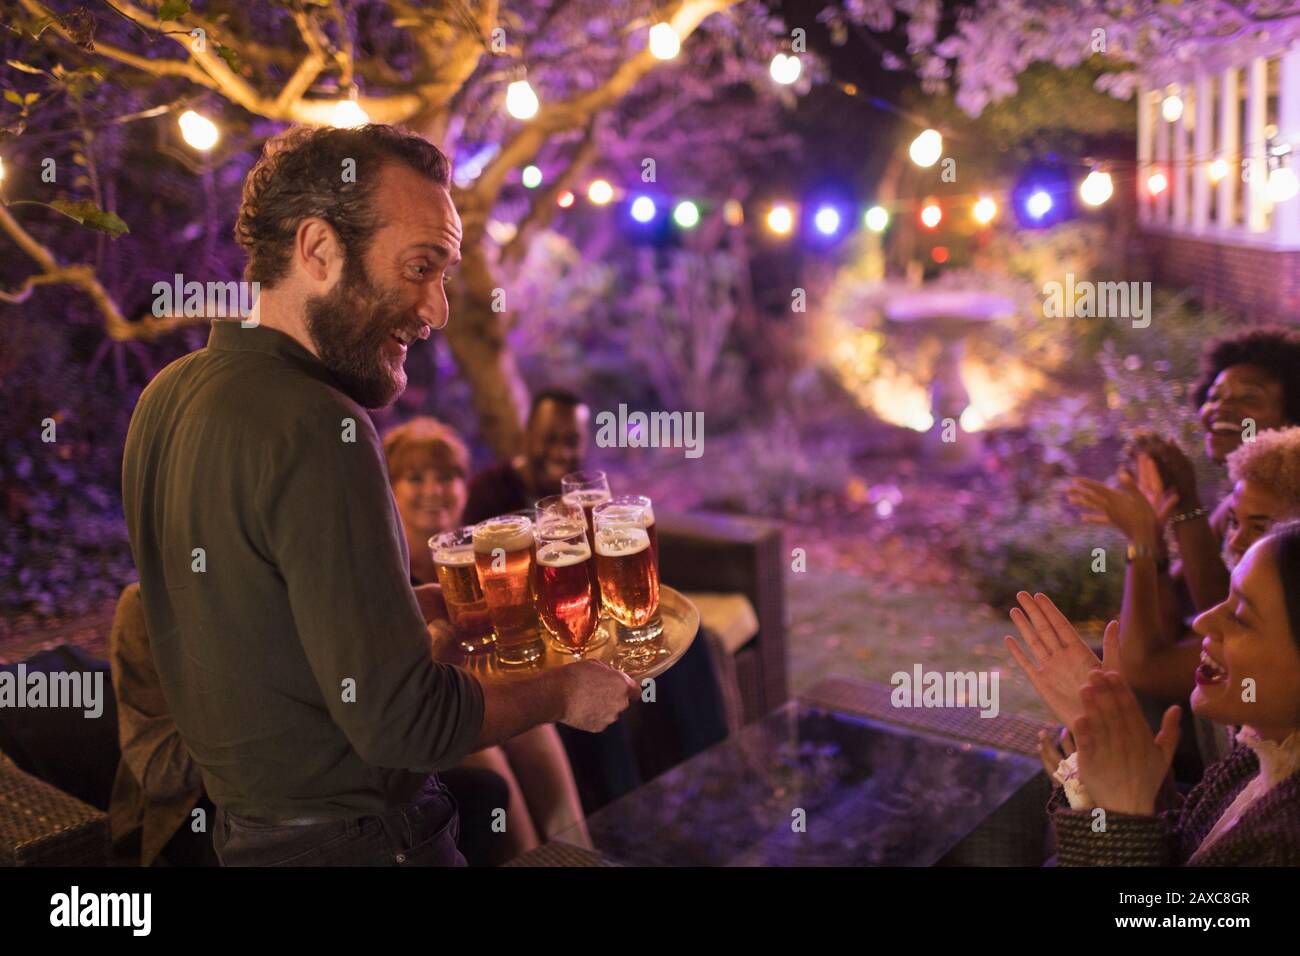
(687,214)
(1039,204)
(931,215)
(1096,188)
(1171,108)
(785,68)
(1157,183)
(1218,169)
(643,209)
(926,148)
(531,177)
(780,220)
(664,42)
(564,200)
(348,114)
(876,219)
(198,131)
(1282,184)
(733,213)
(600,191)
(984,211)
(521,101)
(827,220)
(2,169)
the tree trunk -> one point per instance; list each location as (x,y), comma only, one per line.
(476,336)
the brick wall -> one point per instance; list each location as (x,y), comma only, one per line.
(1254,284)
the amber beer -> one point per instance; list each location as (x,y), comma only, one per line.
(629,578)
(648,517)
(453,557)
(503,555)
(567,600)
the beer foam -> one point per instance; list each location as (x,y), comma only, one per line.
(558,554)
(621,541)
(586,499)
(509,534)
(456,556)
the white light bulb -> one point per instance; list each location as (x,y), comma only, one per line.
(348,114)
(198,131)
(1096,188)
(926,148)
(521,101)
(785,68)
(1282,184)
(664,42)
(531,177)
(985,210)
(1171,108)
(600,191)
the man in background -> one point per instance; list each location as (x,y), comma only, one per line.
(555,440)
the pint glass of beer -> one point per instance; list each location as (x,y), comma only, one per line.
(503,554)
(567,600)
(630,507)
(453,556)
(625,565)
(585,489)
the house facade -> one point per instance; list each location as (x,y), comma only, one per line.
(1218,159)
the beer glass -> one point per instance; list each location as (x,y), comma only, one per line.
(585,489)
(503,554)
(567,600)
(625,566)
(453,557)
(560,509)
(631,506)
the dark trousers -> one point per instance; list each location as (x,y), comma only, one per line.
(423,833)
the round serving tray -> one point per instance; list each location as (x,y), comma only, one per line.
(681,621)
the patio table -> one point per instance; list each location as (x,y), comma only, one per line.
(830,779)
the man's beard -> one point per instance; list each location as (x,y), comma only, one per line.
(350,328)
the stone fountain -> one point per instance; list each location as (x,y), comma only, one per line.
(951,316)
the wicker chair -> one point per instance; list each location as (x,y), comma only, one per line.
(40,825)
(717,552)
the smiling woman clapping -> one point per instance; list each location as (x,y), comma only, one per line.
(1117,807)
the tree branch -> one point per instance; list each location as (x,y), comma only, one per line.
(524,146)
(543,208)
(83,277)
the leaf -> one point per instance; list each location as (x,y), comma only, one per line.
(18,65)
(230,56)
(80,27)
(88,214)
(173,9)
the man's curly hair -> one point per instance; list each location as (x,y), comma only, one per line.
(1275,349)
(301,174)
(1271,461)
